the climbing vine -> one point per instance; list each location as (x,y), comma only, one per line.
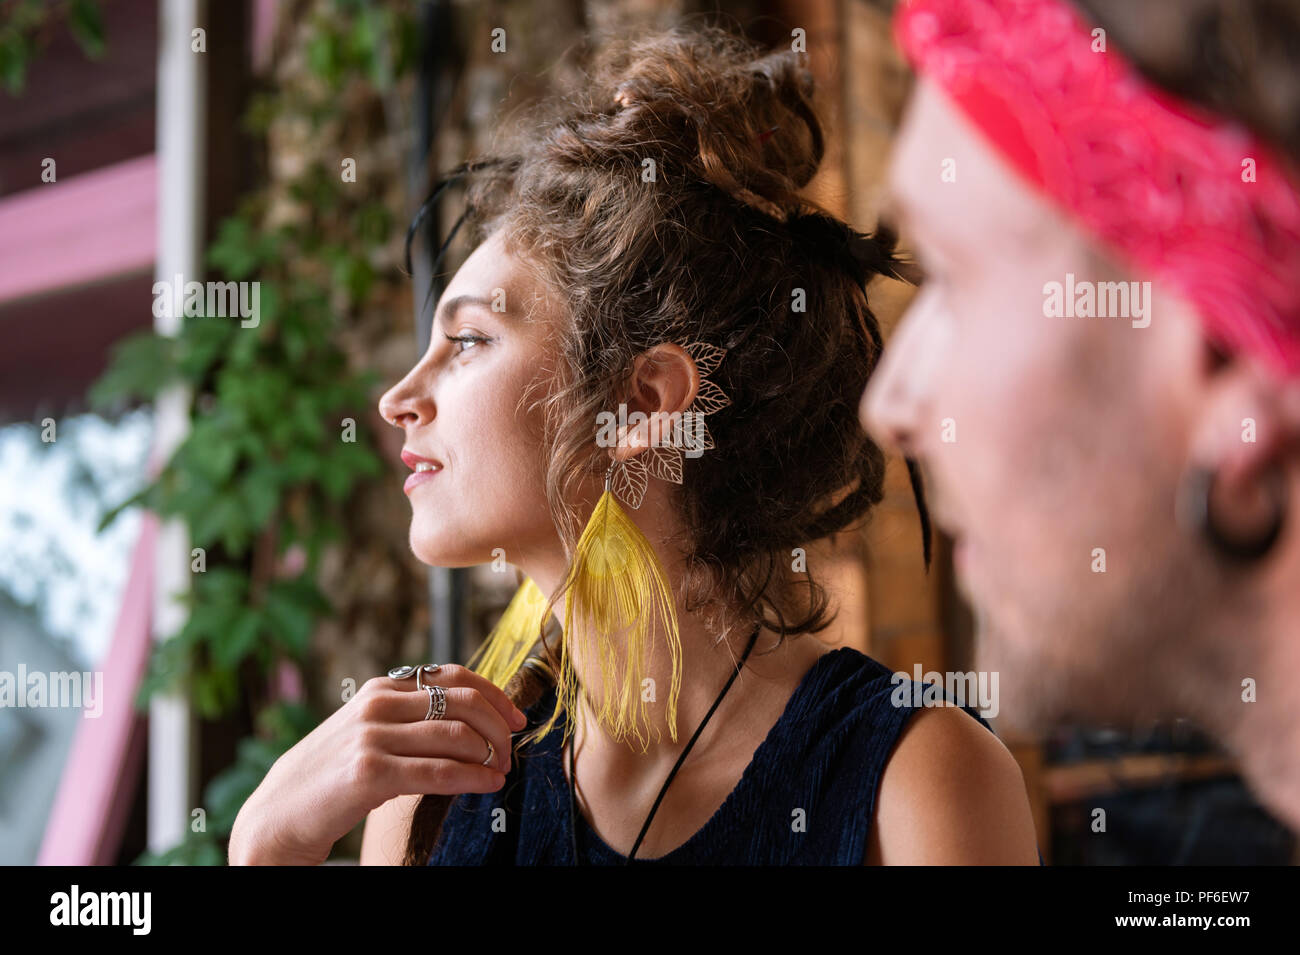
(275,449)
(27,25)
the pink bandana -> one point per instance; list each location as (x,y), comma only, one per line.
(1194,200)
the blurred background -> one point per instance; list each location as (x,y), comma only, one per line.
(208,512)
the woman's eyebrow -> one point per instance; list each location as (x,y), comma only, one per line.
(449,307)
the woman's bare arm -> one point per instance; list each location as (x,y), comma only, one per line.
(951,794)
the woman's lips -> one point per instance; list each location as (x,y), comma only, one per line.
(425,469)
(418,478)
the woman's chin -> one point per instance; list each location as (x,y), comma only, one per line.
(442,551)
(437,551)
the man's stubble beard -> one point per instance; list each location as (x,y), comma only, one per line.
(1145,654)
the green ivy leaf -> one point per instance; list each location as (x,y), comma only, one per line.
(14,56)
(323,56)
(86,21)
(205,342)
(287,721)
(230,647)
(291,611)
(235,249)
(141,497)
(261,493)
(213,691)
(211,452)
(198,848)
(140,366)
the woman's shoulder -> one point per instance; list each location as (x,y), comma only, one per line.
(847,671)
(948,790)
(936,781)
(847,684)
(951,793)
(871,681)
(851,685)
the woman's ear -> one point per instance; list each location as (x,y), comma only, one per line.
(663,384)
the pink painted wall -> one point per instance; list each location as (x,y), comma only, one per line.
(81,230)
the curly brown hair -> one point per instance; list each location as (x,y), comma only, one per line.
(714,244)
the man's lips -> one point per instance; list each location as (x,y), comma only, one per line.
(961,545)
(941,517)
(960,554)
(425,469)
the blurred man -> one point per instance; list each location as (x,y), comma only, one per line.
(1101,372)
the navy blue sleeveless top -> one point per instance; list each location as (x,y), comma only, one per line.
(806,797)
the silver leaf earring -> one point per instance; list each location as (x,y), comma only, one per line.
(689,434)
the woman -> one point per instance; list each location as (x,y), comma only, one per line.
(647,252)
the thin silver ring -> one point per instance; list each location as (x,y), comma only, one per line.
(437,702)
(491,752)
(405,672)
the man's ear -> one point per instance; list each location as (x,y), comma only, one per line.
(1247,433)
(664,381)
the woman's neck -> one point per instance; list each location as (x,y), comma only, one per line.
(709,651)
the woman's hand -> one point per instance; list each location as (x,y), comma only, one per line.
(377,746)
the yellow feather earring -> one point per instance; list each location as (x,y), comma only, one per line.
(520,627)
(617,590)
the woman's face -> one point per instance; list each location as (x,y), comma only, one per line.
(463,410)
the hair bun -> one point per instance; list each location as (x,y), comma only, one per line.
(706,99)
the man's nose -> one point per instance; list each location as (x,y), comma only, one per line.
(891,407)
(898,404)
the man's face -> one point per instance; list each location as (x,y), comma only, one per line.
(1051,444)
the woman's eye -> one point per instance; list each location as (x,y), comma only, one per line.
(465,342)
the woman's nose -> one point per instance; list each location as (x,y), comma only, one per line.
(405,404)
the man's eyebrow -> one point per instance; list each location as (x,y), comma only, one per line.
(449,307)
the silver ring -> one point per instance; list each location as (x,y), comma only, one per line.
(404,672)
(491,752)
(437,702)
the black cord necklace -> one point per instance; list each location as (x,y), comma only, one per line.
(573,779)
